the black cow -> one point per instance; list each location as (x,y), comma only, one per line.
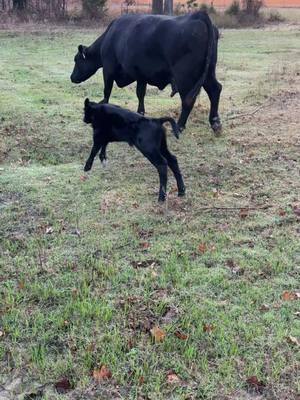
(115,124)
(157,50)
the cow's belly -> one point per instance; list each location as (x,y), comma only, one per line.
(141,67)
(159,79)
(123,78)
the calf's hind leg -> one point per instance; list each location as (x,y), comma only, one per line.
(173,164)
(161,165)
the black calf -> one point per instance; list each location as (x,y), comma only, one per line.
(114,124)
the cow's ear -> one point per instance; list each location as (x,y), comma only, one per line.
(82,51)
(86,102)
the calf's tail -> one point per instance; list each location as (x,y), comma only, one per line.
(203,16)
(173,123)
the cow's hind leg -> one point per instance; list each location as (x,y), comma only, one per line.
(141,92)
(185,79)
(173,164)
(187,105)
(213,88)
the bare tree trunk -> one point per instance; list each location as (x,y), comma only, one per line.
(168,7)
(19,4)
(157,6)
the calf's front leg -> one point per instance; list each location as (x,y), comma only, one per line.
(102,154)
(90,160)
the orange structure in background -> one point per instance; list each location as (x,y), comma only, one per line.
(267,3)
(115,5)
(221,4)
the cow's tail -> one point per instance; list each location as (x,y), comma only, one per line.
(173,123)
(196,89)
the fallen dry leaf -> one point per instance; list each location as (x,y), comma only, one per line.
(143,264)
(264,307)
(281,212)
(21,285)
(145,245)
(202,248)
(290,296)
(158,334)
(63,385)
(141,380)
(102,374)
(91,347)
(172,378)
(1,333)
(244,213)
(254,384)
(293,340)
(234,267)
(83,178)
(208,328)
(181,335)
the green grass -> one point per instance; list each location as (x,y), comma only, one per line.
(71,297)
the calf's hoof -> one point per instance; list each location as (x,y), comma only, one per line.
(181,192)
(162,197)
(87,167)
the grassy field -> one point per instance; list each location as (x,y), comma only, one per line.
(90,266)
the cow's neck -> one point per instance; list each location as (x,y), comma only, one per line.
(94,51)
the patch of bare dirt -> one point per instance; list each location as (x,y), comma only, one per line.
(277,121)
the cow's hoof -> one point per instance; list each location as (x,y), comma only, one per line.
(216,126)
(87,167)
(181,193)
(141,112)
(181,128)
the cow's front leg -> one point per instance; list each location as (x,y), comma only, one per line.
(174,88)
(108,84)
(90,160)
(141,92)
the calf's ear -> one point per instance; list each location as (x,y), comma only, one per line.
(86,102)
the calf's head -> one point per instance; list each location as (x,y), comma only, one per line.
(88,112)
(85,65)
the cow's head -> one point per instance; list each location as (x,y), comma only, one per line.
(85,65)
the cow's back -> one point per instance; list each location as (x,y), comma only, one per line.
(146,46)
